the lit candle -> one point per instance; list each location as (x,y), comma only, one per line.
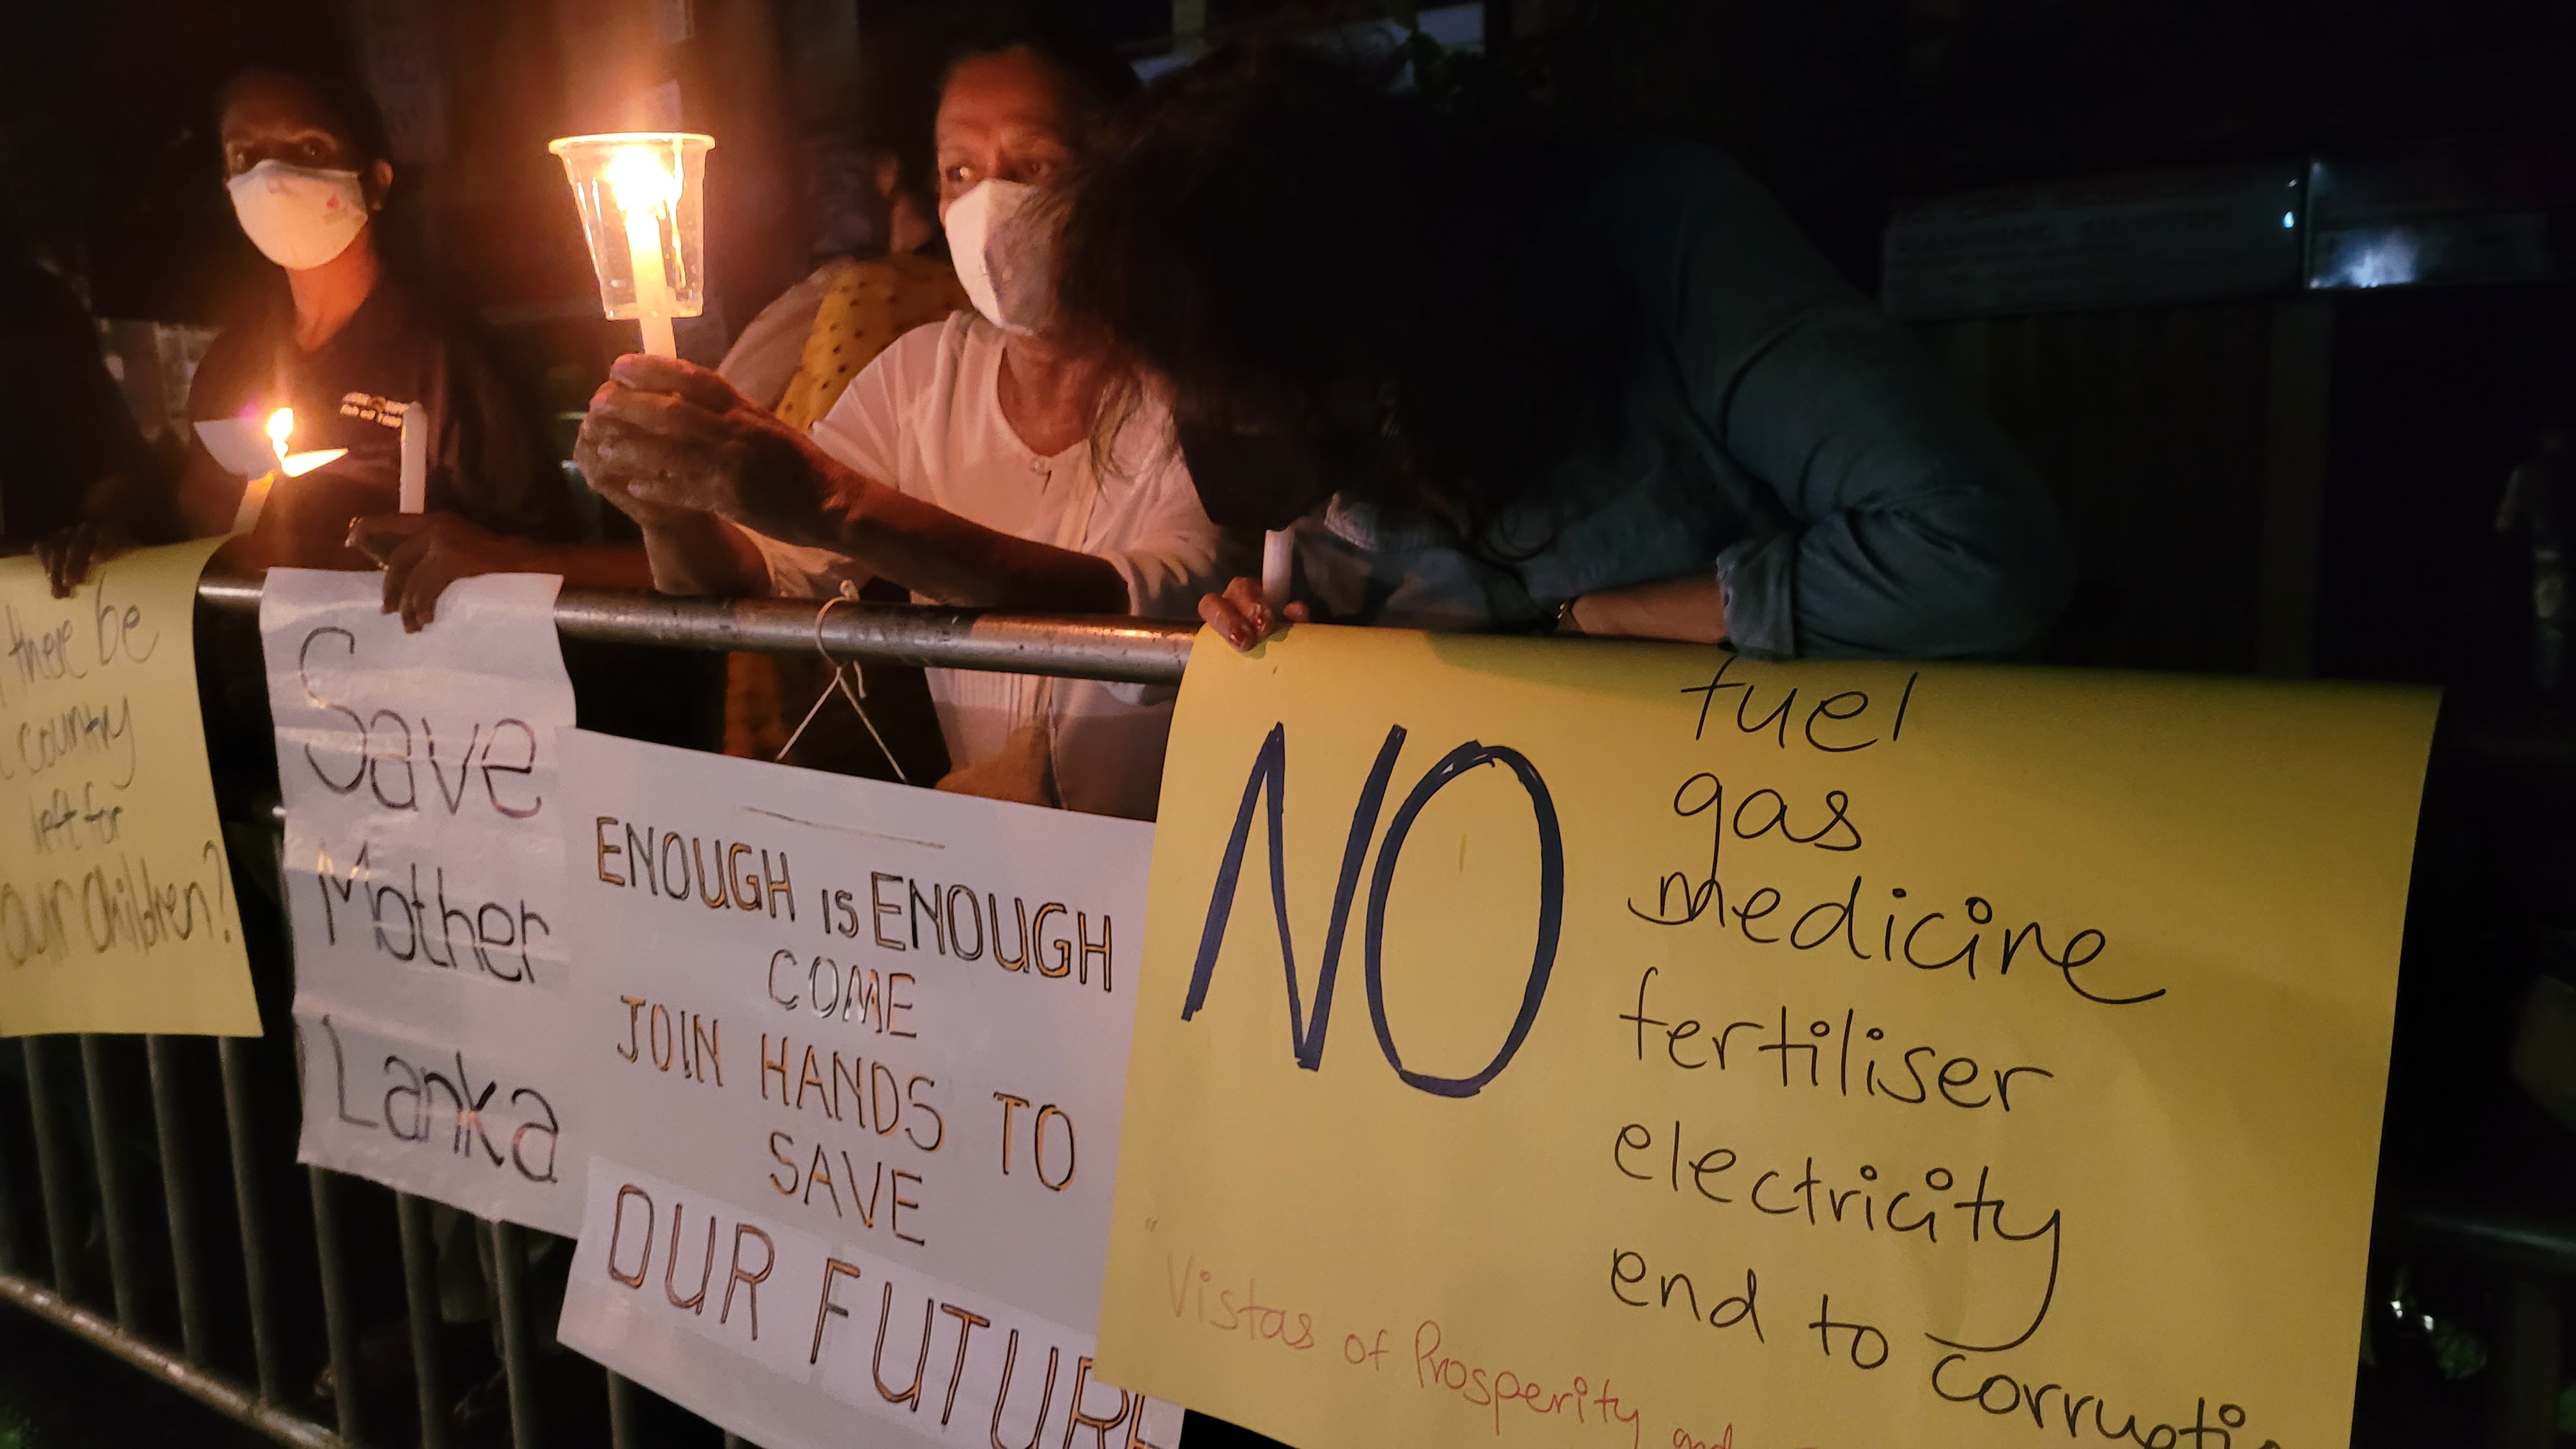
(280,427)
(415,459)
(643,210)
(645,189)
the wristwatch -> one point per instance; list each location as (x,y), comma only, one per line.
(1565,620)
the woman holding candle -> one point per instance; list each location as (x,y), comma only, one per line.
(975,463)
(355,348)
(798,356)
(355,354)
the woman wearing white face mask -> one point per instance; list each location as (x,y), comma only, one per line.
(354,344)
(970,463)
(349,344)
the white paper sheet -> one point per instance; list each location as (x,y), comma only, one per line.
(801,1041)
(241,445)
(423,879)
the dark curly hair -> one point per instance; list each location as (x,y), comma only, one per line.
(1323,270)
(893,99)
(332,86)
(1095,81)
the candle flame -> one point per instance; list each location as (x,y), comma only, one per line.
(641,181)
(281,426)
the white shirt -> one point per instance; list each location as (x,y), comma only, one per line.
(925,418)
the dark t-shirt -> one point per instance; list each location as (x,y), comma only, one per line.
(487,460)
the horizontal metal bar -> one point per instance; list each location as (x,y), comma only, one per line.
(1073,646)
(2521,1242)
(219,1393)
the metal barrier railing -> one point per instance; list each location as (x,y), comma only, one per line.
(2529,1256)
(1128,651)
(1125,650)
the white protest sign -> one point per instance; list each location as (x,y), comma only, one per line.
(423,870)
(854,1054)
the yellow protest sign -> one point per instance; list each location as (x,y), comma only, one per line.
(1565,1044)
(116,901)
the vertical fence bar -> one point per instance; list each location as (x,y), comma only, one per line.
(518,1358)
(339,1315)
(420,1299)
(252,1206)
(53,1174)
(107,1159)
(178,1194)
(622,1428)
(9,1205)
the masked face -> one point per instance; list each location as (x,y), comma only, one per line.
(1251,480)
(299,217)
(1004,254)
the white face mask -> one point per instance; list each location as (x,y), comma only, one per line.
(297,216)
(1004,254)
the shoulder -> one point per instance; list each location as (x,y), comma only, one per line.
(1147,453)
(1675,216)
(931,360)
(456,340)
(789,317)
(433,321)
(822,279)
(229,369)
(899,283)
(904,399)
(928,276)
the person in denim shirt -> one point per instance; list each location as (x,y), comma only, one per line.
(1515,382)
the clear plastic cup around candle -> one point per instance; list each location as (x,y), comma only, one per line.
(642,196)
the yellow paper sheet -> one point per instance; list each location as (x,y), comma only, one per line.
(116,902)
(1767,1158)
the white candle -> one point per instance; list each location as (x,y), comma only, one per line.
(652,284)
(254,497)
(1278,554)
(280,427)
(645,189)
(415,459)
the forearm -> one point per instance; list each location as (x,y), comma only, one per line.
(142,507)
(207,500)
(953,560)
(701,554)
(623,567)
(1691,609)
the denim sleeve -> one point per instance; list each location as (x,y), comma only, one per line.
(1913,530)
